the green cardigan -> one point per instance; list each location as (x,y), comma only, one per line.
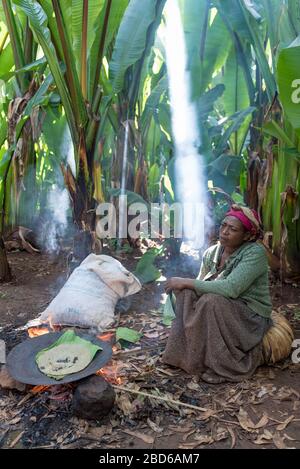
(244,276)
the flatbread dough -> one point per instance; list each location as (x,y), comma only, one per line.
(64,359)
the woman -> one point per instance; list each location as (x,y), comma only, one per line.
(222,316)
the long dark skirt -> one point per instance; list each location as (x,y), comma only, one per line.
(213,333)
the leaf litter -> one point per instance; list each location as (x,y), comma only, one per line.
(227,414)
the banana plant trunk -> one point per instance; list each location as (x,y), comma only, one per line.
(81,191)
(5,272)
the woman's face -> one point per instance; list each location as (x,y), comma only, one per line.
(232,233)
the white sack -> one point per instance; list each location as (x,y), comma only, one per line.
(89,297)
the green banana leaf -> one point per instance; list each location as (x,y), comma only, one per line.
(169,307)
(289,83)
(130,335)
(69,337)
(145,269)
(39,25)
(131,39)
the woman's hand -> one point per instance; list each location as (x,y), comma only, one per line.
(178,283)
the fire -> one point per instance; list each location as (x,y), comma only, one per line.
(38,389)
(59,392)
(44,329)
(110,374)
(106,337)
(36,331)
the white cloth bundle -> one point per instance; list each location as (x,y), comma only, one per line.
(89,297)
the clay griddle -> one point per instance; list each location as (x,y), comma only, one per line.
(22,366)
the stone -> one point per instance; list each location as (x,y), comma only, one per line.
(7,382)
(93,399)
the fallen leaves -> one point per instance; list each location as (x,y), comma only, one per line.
(286,394)
(124,404)
(204,439)
(180,429)
(247,424)
(284,424)
(154,426)
(188,434)
(228,416)
(198,441)
(151,335)
(17,439)
(279,441)
(220,433)
(15,420)
(268,437)
(263,421)
(265,438)
(98,432)
(233,438)
(207,414)
(141,436)
(193,385)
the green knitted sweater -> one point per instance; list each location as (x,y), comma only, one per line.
(244,276)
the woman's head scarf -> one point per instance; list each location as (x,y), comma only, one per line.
(247,216)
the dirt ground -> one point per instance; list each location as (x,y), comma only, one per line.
(263,412)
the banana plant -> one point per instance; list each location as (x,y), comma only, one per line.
(18,160)
(81,35)
(271,28)
(281,207)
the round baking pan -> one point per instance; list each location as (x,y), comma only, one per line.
(22,366)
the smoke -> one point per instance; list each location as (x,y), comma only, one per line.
(66,149)
(54,220)
(190,181)
(58,206)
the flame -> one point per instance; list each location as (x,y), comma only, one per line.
(59,392)
(36,331)
(110,374)
(106,337)
(44,329)
(38,389)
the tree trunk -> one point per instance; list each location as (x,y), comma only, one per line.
(84,213)
(5,273)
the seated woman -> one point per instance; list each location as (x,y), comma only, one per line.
(223,315)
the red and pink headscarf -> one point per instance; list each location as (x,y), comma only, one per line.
(247,216)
